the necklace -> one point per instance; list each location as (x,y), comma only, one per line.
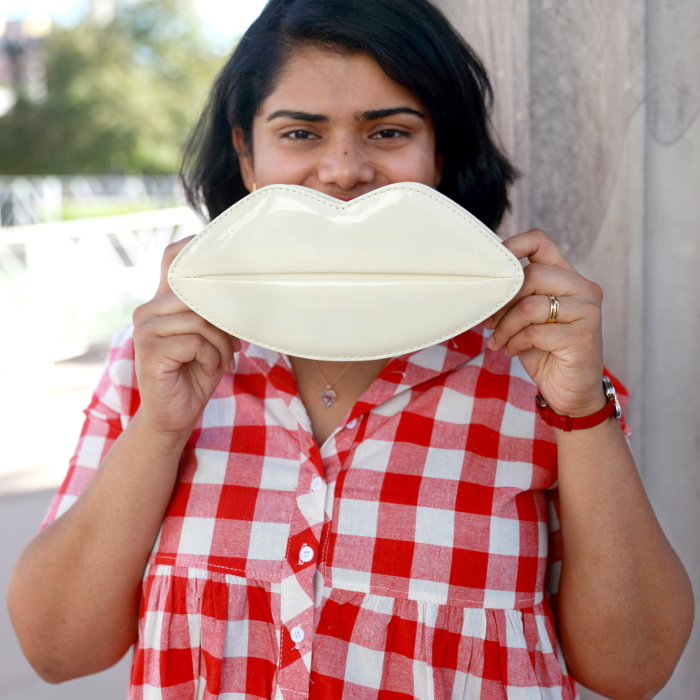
(328,395)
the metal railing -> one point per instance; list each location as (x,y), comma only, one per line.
(67,286)
(33,200)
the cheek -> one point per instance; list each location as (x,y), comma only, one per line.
(285,172)
(421,168)
(275,167)
(419,163)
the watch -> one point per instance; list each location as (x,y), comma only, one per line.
(568,423)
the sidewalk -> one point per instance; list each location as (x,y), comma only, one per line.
(40,418)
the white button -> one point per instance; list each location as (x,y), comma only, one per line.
(352,423)
(297,634)
(316,483)
(305,554)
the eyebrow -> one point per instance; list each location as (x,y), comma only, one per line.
(299,116)
(383,113)
(370,115)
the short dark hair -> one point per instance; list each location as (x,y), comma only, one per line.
(415,46)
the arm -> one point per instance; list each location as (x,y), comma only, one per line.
(625,603)
(74,593)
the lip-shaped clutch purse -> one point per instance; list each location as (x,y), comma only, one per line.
(390,272)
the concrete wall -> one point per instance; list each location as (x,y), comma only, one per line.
(599,105)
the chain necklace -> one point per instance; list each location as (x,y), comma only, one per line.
(328,395)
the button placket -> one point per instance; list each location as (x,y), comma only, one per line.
(297,635)
(297,592)
(306,554)
(310,499)
(297,617)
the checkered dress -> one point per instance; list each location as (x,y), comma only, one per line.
(405,558)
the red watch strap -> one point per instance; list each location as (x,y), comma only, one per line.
(568,423)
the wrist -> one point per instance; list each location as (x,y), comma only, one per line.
(160,437)
(610,408)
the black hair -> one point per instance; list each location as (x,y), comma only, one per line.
(413,43)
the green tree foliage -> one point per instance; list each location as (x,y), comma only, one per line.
(120,98)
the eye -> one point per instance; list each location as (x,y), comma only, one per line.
(388,134)
(299,135)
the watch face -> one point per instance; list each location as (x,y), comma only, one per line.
(612,396)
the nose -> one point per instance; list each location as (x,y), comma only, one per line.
(345,165)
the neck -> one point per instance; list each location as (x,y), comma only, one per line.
(349,387)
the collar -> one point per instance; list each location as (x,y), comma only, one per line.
(399,374)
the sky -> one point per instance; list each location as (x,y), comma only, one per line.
(223,19)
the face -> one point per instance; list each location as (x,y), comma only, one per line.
(338,124)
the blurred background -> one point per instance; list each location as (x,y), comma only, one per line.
(97,98)
(597,103)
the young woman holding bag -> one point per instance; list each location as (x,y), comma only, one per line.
(424,535)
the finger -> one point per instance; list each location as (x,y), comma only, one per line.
(538,247)
(565,341)
(178,350)
(169,254)
(154,328)
(535,310)
(162,304)
(167,304)
(165,355)
(186,323)
(548,280)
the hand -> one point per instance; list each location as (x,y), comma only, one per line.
(180,357)
(564,359)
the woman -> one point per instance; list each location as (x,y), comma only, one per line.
(391,544)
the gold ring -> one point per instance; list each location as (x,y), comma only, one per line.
(553,309)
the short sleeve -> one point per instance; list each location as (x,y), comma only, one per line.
(554,547)
(623,397)
(112,406)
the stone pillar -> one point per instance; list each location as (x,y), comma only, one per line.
(599,106)
(671,386)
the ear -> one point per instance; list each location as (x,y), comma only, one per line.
(245,157)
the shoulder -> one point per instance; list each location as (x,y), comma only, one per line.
(117,390)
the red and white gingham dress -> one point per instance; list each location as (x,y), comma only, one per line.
(404,559)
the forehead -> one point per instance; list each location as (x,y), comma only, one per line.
(334,82)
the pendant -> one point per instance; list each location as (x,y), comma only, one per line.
(328,397)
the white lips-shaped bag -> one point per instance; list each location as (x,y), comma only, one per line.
(303,273)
